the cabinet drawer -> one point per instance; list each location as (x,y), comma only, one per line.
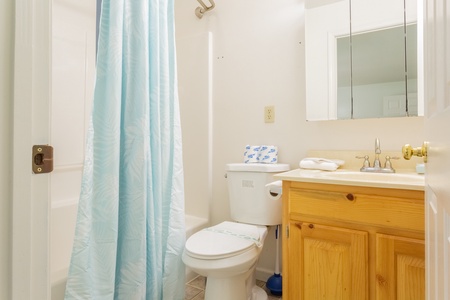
(354,205)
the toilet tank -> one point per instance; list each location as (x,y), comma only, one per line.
(250,200)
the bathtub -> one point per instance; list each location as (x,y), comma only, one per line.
(65,217)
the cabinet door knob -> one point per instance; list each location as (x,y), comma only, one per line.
(350,197)
(311,226)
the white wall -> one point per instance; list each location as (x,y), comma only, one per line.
(258,60)
(6,105)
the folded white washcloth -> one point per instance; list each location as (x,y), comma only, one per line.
(325,164)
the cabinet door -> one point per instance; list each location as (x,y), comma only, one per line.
(400,268)
(327,262)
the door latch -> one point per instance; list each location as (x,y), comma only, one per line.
(42,159)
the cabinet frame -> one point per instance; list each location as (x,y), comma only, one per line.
(377,211)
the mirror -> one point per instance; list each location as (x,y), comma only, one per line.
(361,59)
(375,77)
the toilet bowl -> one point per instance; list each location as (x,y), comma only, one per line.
(227,253)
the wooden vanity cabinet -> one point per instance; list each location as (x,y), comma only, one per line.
(349,242)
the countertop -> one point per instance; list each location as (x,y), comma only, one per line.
(400,180)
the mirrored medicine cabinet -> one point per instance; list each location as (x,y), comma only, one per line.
(362,59)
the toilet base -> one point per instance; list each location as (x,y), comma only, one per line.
(233,288)
(259,294)
(226,288)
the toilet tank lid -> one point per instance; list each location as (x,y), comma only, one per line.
(257,167)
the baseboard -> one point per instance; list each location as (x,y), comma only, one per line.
(189,275)
(263,274)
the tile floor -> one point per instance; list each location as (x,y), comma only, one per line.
(195,289)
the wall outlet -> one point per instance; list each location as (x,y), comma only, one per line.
(269,114)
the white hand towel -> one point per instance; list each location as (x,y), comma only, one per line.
(246,231)
(315,163)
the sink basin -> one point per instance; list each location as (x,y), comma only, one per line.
(400,180)
(376,177)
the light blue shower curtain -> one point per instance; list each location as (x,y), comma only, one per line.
(130,226)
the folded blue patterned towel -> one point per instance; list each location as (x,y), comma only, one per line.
(261,154)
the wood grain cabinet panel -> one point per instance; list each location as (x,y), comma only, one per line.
(400,268)
(346,242)
(332,262)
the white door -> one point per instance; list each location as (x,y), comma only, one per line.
(54,78)
(437,128)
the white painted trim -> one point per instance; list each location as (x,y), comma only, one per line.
(65,203)
(68,168)
(420,58)
(32,92)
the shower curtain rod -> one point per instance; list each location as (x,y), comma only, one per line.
(199,11)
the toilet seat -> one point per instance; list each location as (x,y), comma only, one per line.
(224,240)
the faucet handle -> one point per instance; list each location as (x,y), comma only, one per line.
(366,163)
(388,163)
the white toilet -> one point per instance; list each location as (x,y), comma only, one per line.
(227,253)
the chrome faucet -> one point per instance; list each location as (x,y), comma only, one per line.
(376,163)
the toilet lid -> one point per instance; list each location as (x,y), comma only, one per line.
(224,240)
